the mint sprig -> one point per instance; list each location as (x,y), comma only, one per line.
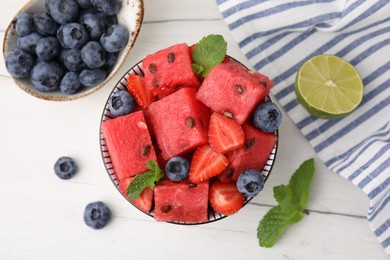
(144,180)
(208,52)
(292,200)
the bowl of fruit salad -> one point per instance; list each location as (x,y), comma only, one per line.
(187,142)
(66,49)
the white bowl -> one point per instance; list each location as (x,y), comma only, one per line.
(131,15)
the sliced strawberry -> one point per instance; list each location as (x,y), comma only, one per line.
(225,135)
(144,201)
(136,86)
(225,198)
(206,163)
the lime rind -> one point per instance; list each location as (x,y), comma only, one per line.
(328,86)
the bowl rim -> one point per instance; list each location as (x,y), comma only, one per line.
(63,97)
(115,181)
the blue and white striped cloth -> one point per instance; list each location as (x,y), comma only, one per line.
(277,36)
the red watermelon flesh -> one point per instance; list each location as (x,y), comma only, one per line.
(168,70)
(181,201)
(254,155)
(129,144)
(144,201)
(180,122)
(232,89)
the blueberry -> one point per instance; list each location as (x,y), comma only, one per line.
(96,215)
(47,4)
(70,83)
(85,4)
(108,20)
(19,63)
(65,168)
(93,55)
(61,55)
(86,11)
(177,168)
(72,35)
(63,11)
(267,117)
(29,43)
(109,7)
(46,76)
(92,77)
(121,103)
(115,38)
(23,24)
(48,48)
(73,61)
(250,182)
(44,24)
(111,59)
(94,25)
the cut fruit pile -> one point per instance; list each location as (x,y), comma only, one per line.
(204,122)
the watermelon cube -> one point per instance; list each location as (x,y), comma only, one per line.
(169,70)
(233,90)
(181,201)
(180,122)
(129,144)
(145,199)
(254,154)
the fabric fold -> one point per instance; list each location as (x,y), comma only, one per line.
(278,36)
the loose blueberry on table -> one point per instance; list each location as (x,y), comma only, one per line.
(97,214)
(82,36)
(65,167)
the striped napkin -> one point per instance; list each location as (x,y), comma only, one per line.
(277,36)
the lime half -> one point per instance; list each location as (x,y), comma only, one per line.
(328,86)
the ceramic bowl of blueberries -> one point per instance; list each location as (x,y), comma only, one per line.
(63,50)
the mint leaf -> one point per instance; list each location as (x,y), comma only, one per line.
(300,182)
(197,68)
(208,52)
(274,223)
(292,200)
(144,180)
(281,192)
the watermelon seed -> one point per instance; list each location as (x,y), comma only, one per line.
(155,83)
(230,172)
(152,68)
(192,185)
(239,89)
(263,83)
(146,150)
(249,143)
(171,57)
(190,122)
(166,208)
(228,114)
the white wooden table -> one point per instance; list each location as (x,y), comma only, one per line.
(41,215)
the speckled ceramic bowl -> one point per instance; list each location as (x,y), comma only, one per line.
(131,15)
